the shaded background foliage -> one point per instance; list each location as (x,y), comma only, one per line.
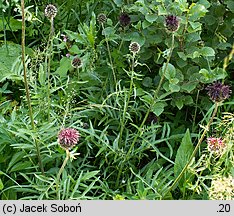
(94,104)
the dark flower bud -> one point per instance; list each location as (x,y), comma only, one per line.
(134,47)
(218,91)
(76,62)
(172,23)
(101,18)
(124,19)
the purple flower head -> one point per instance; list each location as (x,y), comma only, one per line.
(124,19)
(172,23)
(218,91)
(68,137)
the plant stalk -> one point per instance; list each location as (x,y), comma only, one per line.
(109,53)
(60,172)
(128,98)
(154,98)
(27,87)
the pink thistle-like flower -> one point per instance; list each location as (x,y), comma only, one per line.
(68,137)
(215,144)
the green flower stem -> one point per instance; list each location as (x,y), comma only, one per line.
(60,172)
(148,111)
(195,150)
(49,50)
(154,98)
(109,53)
(27,87)
(128,98)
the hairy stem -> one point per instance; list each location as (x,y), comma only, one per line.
(195,150)
(27,87)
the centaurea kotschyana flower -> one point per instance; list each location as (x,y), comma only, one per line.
(68,138)
(134,47)
(50,11)
(101,18)
(124,19)
(172,23)
(76,62)
(218,91)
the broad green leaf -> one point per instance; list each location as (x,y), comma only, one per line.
(197,11)
(162,11)
(118,2)
(174,87)
(182,156)
(230,5)
(179,103)
(151,17)
(11,25)
(65,65)
(189,86)
(147,82)
(158,108)
(207,51)
(170,71)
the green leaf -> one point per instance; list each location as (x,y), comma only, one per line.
(162,11)
(158,108)
(1,184)
(147,82)
(170,71)
(197,11)
(182,156)
(189,86)
(89,175)
(151,17)
(207,51)
(230,5)
(118,2)
(11,25)
(179,103)
(65,65)
(174,87)
(9,54)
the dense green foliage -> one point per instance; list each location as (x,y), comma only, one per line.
(139,115)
